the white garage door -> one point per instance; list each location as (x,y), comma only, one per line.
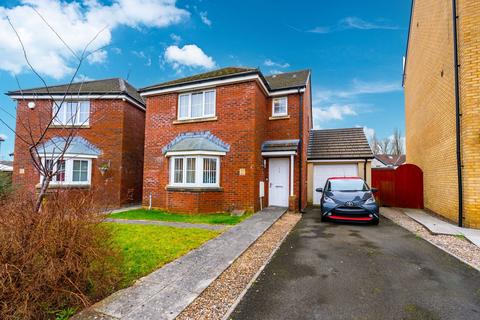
(322,172)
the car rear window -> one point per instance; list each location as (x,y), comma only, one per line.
(346,185)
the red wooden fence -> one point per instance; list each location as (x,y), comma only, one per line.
(401,187)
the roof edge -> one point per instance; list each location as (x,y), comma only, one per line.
(222,77)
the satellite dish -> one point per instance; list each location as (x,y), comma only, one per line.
(31,105)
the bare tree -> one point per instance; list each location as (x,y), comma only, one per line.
(33,134)
(385,146)
(397,142)
(375,144)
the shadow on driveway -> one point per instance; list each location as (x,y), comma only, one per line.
(343,271)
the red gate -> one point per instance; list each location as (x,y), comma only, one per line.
(401,187)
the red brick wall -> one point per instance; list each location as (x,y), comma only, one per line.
(132,155)
(243,112)
(106,131)
(235,125)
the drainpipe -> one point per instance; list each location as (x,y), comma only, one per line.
(365,169)
(300,158)
(458,114)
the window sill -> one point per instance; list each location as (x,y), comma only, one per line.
(194,189)
(195,120)
(65,186)
(61,126)
(279,117)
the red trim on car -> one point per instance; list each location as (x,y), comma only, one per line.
(342,178)
(350,218)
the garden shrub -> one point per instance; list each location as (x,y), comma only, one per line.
(5,184)
(54,261)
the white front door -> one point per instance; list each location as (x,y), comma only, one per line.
(278,173)
(324,171)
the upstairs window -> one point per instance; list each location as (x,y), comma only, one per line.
(71,113)
(279,107)
(196,105)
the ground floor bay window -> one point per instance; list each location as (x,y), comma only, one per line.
(69,171)
(199,171)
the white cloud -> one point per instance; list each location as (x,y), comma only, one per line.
(349,23)
(189,55)
(82,78)
(270,63)
(355,89)
(116,50)
(176,38)
(357,23)
(204,17)
(98,57)
(77,23)
(332,112)
(369,132)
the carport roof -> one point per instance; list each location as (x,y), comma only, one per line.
(331,144)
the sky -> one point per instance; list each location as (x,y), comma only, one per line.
(354,49)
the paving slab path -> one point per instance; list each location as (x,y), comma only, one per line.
(439,226)
(164,293)
(345,271)
(217,227)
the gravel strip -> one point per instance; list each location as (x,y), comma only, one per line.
(457,246)
(216,300)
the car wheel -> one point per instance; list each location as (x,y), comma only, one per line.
(323,218)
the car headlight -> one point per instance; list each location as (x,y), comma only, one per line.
(370,200)
(329,200)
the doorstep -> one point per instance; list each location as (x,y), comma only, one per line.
(166,292)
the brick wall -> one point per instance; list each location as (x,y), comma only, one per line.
(430,105)
(242,112)
(107,128)
(469,59)
(235,125)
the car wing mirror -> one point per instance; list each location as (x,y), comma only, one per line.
(374,190)
(319,189)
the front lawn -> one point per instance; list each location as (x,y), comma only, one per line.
(148,247)
(143,214)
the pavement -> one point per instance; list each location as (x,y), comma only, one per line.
(345,271)
(216,227)
(164,293)
(439,226)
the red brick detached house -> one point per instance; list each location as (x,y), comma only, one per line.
(107,151)
(227,139)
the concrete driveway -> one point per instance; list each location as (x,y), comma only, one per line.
(342,271)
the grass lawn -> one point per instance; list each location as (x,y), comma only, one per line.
(148,247)
(143,214)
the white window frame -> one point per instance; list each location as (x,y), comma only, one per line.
(189,106)
(198,172)
(61,118)
(69,172)
(274,114)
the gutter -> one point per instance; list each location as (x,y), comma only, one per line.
(458,114)
(300,153)
(408,41)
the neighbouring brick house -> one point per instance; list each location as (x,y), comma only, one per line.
(227,139)
(107,150)
(432,120)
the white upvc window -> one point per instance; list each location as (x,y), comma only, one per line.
(195,171)
(196,105)
(279,107)
(69,171)
(71,113)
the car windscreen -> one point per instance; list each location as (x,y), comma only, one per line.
(346,185)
